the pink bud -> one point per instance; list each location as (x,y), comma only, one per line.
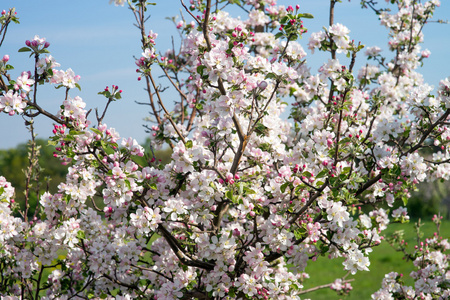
(5,58)
(263,85)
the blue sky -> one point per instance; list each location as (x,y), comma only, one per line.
(98,41)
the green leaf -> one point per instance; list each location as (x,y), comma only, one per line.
(107,94)
(307,174)
(284,186)
(307,16)
(75,132)
(229,195)
(24,49)
(359,179)
(95,130)
(271,76)
(52,143)
(249,191)
(81,235)
(127,183)
(278,35)
(345,170)
(200,69)
(322,173)
(260,129)
(405,200)
(333,180)
(344,141)
(293,37)
(299,233)
(241,188)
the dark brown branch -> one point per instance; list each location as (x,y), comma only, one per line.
(130,286)
(176,248)
(368,184)
(427,133)
(310,201)
(332,3)
(44,112)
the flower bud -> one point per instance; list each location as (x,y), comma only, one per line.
(262,85)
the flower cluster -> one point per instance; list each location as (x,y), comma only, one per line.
(431,274)
(249,198)
(149,55)
(336,37)
(12,103)
(65,78)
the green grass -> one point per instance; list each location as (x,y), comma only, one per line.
(384,259)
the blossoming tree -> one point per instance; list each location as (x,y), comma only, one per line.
(249,198)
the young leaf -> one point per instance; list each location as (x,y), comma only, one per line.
(24,49)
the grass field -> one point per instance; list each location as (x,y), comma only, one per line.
(384,259)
